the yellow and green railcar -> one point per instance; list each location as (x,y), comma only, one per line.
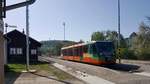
(98,53)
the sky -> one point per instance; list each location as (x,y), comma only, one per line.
(82,17)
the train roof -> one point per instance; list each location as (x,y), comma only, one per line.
(82,44)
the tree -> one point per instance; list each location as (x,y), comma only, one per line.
(143,38)
(132,40)
(98,36)
(81,41)
(57,49)
(122,42)
(141,42)
(113,36)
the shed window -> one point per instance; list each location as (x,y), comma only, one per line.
(16,51)
(19,51)
(33,51)
(12,51)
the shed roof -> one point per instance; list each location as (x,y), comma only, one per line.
(20,33)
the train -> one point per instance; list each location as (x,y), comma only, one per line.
(95,52)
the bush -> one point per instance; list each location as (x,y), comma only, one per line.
(143,54)
(136,54)
(129,54)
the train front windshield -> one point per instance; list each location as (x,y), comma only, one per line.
(105,48)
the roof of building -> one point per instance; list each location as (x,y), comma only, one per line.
(20,33)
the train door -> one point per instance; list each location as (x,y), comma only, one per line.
(85,56)
(93,52)
(81,52)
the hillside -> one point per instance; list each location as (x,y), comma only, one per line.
(53,47)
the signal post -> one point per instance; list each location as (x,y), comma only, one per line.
(119,55)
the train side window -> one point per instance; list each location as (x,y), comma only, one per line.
(94,49)
(80,51)
(71,51)
(85,48)
(68,52)
(77,52)
(90,49)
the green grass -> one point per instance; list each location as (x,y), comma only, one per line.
(16,67)
(44,69)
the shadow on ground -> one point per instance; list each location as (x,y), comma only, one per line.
(10,77)
(123,67)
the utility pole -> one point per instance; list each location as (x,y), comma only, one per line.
(64,24)
(119,57)
(27,37)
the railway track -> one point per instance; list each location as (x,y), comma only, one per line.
(118,74)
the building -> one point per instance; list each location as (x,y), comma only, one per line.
(16,47)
